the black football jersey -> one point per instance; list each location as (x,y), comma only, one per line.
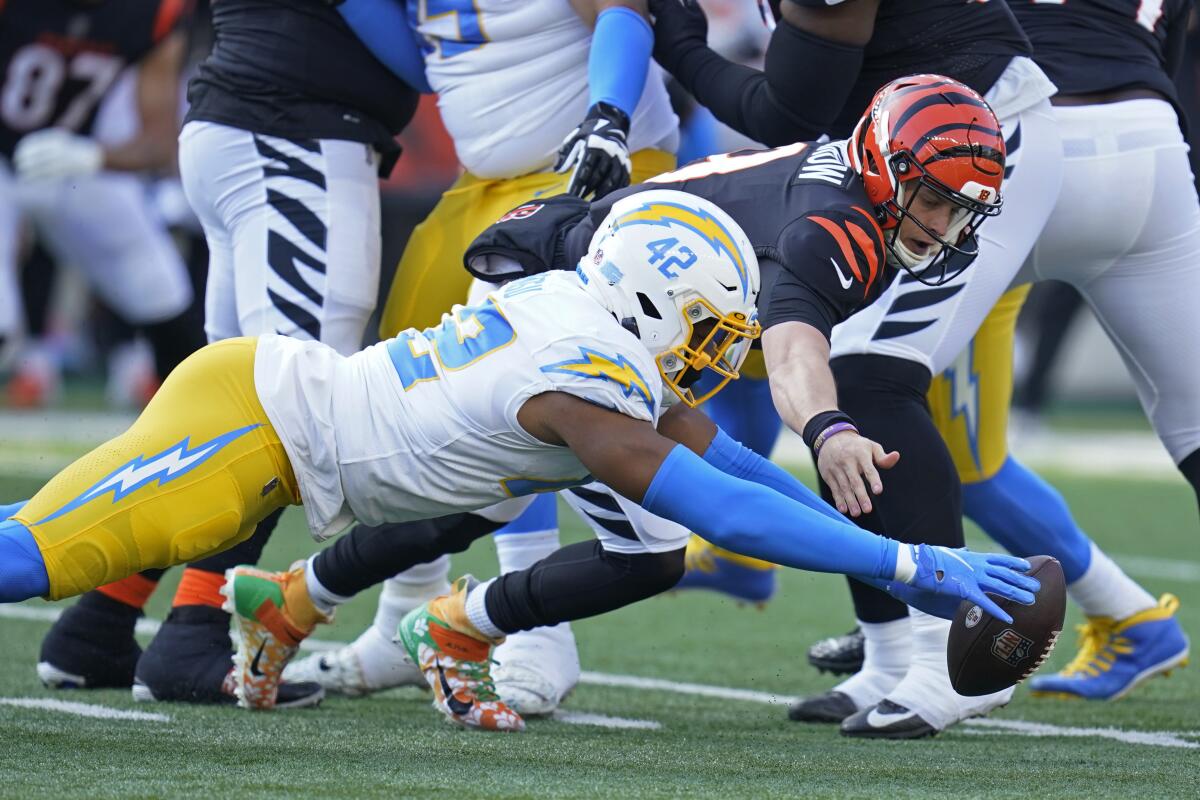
(61,57)
(806,214)
(966,40)
(1089,46)
(294,68)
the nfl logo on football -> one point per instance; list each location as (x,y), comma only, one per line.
(1011,647)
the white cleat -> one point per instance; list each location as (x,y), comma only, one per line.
(371,663)
(536,670)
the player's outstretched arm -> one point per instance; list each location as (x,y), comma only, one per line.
(812,63)
(382,25)
(670,480)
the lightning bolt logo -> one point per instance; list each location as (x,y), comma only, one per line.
(163,467)
(619,370)
(700,222)
(964,397)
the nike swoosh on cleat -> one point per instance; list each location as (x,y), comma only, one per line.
(254,670)
(456,706)
(879,720)
(323,665)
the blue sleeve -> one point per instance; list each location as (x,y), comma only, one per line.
(734,458)
(753,520)
(382,25)
(622,43)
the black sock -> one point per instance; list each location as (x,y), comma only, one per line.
(577,581)
(369,555)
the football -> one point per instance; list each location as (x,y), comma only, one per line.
(985,655)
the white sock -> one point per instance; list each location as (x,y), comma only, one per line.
(1105,590)
(885,660)
(325,600)
(926,687)
(477,611)
(404,592)
(518,551)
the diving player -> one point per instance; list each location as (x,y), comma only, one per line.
(291,122)
(551,381)
(805,208)
(540,98)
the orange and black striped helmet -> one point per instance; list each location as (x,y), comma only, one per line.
(931,132)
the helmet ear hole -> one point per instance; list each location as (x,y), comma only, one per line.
(648,307)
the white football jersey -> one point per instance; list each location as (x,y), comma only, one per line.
(512,82)
(425,424)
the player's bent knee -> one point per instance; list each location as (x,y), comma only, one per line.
(654,573)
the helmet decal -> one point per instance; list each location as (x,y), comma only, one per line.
(696,220)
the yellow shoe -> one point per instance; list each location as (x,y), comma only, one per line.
(743,578)
(1117,655)
(456,660)
(272,614)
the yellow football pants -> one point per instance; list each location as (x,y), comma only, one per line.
(431,277)
(970,400)
(193,476)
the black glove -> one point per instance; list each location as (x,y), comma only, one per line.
(679,26)
(597,153)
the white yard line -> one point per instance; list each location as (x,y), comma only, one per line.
(82,709)
(604,721)
(696,689)
(1042,729)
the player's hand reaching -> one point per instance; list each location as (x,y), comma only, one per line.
(679,26)
(56,153)
(847,463)
(596,153)
(942,577)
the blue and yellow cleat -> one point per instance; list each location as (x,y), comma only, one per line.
(1115,656)
(707,566)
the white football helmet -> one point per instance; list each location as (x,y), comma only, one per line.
(666,262)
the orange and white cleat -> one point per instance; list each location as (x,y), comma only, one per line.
(272,614)
(456,661)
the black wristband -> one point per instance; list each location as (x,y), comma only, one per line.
(819,422)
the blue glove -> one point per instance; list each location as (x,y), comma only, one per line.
(945,576)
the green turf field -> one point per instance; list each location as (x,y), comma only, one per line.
(688,745)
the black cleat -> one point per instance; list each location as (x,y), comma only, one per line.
(827,707)
(191,661)
(887,720)
(91,646)
(841,655)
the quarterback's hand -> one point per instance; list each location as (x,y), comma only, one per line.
(942,577)
(847,463)
(679,26)
(596,153)
(56,153)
